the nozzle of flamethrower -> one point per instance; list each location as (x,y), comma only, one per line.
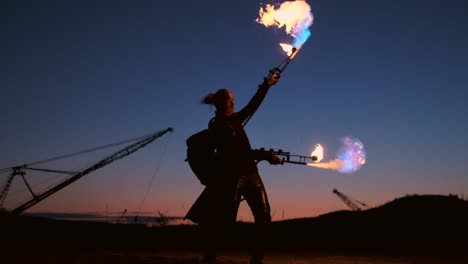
(282,66)
(286,157)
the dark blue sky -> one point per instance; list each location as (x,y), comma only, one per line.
(83,74)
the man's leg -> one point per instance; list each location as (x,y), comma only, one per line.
(257,200)
(222,217)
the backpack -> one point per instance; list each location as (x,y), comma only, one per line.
(201,154)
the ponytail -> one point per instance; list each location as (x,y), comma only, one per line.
(217,99)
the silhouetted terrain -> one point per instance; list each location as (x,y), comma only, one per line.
(429,225)
(417,224)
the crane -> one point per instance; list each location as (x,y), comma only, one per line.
(351,203)
(38,197)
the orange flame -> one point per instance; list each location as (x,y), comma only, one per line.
(287,48)
(317,154)
(294,16)
(335,164)
(290,15)
(350,158)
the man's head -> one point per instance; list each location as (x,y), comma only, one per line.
(223,100)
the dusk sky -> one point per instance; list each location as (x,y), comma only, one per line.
(81,74)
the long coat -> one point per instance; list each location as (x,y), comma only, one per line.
(217,201)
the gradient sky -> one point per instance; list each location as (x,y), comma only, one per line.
(80,74)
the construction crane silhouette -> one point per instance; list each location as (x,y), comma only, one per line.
(351,203)
(37,197)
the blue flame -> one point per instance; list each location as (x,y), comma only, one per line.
(301,38)
(303,33)
(352,155)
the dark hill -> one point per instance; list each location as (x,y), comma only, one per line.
(415,224)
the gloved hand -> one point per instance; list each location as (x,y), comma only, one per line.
(273,79)
(274,160)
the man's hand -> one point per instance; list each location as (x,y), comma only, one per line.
(274,160)
(273,79)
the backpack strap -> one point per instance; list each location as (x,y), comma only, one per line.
(211,122)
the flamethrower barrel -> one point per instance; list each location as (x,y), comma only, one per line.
(286,62)
(283,64)
(288,158)
(299,159)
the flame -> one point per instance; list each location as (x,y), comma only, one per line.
(317,153)
(350,158)
(295,16)
(287,48)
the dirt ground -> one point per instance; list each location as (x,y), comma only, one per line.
(189,257)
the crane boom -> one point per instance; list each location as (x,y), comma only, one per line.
(118,155)
(347,201)
(6,188)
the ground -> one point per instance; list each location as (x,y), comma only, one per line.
(78,256)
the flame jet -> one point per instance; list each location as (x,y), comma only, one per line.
(349,159)
(295,16)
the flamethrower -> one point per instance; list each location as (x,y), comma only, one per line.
(287,157)
(282,66)
(350,157)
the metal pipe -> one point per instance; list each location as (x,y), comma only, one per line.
(282,66)
(288,60)
(288,158)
